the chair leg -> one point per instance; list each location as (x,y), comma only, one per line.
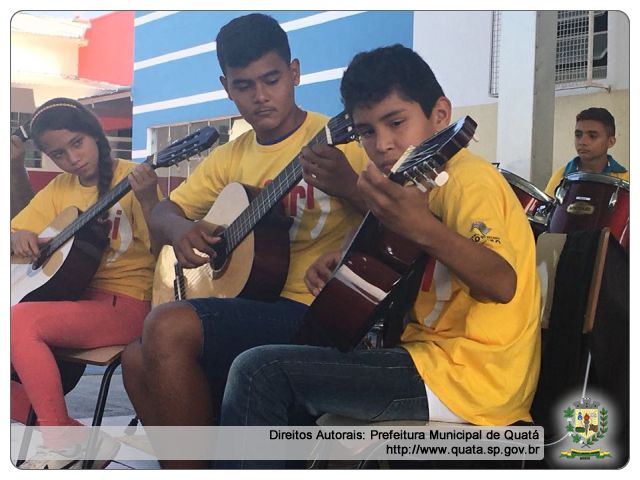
(99,412)
(26,439)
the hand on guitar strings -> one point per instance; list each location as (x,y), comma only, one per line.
(320,271)
(25,243)
(404,210)
(326,168)
(144,183)
(193,243)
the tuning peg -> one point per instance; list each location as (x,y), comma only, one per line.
(441,179)
(417,182)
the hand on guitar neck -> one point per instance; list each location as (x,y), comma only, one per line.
(383,196)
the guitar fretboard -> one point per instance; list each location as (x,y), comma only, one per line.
(275,191)
(172,154)
(103,204)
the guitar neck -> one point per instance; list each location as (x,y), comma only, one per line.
(268,197)
(176,152)
(102,205)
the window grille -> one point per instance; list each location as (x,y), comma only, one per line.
(581,49)
(495,53)
(163,136)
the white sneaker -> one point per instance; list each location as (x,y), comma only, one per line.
(106,450)
(73,457)
(49,459)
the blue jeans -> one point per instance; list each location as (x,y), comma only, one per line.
(266,382)
(232,325)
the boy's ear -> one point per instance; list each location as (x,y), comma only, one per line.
(441,112)
(294,68)
(611,142)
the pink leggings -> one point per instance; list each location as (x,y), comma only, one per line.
(98,319)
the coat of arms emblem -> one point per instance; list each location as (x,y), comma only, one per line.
(586,424)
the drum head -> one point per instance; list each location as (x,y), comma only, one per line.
(598,178)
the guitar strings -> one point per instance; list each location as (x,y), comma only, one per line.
(283,182)
(269,196)
(292,172)
(109,200)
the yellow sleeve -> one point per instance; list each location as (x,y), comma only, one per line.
(40,211)
(476,210)
(200,190)
(554,181)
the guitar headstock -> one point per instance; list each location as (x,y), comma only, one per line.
(423,164)
(340,129)
(186,147)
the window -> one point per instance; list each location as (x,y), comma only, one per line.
(495,53)
(581,49)
(33,156)
(163,136)
(120,141)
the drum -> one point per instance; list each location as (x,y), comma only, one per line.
(589,201)
(537,204)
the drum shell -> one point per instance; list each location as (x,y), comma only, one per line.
(537,205)
(586,202)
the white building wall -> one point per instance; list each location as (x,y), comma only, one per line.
(457,45)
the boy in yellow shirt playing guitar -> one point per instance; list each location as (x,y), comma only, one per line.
(470,351)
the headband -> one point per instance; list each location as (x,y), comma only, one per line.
(53,105)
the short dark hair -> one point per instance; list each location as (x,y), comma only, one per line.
(601,115)
(371,76)
(68,114)
(245,39)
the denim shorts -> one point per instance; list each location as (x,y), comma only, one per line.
(232,325)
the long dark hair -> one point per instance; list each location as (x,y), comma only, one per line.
(68,114)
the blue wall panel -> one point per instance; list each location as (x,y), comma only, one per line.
(180,78)
(319,47)
(189,29)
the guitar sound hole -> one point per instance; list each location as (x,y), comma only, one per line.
(219,264)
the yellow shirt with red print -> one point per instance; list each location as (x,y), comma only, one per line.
(481,359)
(320,222)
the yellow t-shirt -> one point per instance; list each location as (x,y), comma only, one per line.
(320,221)
(127,264)
(558,175)
(482,360)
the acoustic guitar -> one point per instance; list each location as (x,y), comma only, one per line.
(67,263)
(253,256)
(374,282)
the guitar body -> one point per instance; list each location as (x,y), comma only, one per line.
(364,288)
(378,277)
(66,273)
(68,262)
(256,269)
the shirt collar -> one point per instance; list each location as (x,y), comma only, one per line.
(611,167)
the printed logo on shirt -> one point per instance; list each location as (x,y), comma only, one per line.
(480,234)
(120,233)
(304,197)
